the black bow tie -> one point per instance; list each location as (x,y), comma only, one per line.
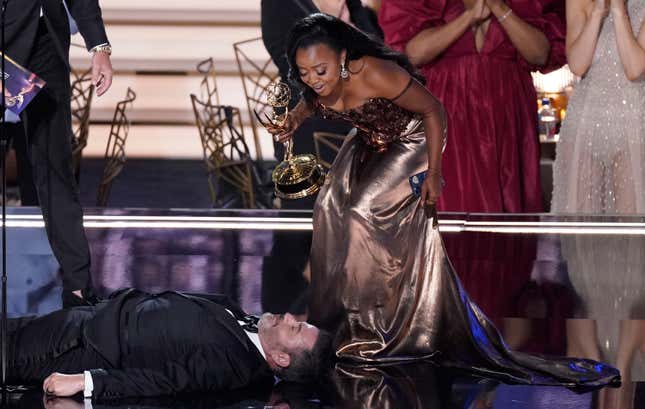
(250,323)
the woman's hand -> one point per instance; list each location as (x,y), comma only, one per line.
(284,132)
(499,8)
(601,7)
(494,3)
(617,6)
(478,10)
(431,188)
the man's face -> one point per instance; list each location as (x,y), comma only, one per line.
(284,334)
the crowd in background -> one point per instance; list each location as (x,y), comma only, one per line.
(477,56)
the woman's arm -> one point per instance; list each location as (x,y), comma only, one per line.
(431,42)
(388,80)
(630,48)
(584,21)
(531,43)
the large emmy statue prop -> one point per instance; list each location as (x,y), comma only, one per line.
(296,176)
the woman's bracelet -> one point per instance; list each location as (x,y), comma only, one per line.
(505,15)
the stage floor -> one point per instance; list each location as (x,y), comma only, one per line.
(553,285)
(397,387)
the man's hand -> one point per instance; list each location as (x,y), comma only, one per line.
(101,72)
(59,384)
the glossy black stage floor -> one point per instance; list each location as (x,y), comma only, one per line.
(553,285)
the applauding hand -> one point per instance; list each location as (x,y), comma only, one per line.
(478,9)
(494,3)
(601,7)
(617,6)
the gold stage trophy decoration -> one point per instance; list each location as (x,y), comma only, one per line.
(296,176)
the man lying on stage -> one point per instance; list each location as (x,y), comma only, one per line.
(140,344)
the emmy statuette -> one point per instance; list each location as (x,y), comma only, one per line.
(296,176)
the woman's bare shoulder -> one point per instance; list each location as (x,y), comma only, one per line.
(380,64)
(384,76)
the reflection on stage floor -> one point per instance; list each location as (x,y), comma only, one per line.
(553,285)
(409,386)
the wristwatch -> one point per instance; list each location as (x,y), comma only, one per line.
(102,48)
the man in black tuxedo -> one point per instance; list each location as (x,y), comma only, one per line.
(140,344)
(38,38)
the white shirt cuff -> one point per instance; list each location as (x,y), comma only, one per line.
(89,385)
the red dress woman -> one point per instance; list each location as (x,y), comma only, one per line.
(477,56)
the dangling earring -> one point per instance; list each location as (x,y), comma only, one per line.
(344,72)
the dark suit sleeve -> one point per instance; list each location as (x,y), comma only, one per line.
(199,370)
(87,14)
(364,18)
(278,16)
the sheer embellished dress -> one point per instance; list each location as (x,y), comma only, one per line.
(380,278)
(600,157)
(600,169)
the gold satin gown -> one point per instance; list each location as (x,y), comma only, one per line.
(380,278)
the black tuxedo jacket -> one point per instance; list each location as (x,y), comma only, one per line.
(172,343)
(22,20)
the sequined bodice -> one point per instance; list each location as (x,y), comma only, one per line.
(379,121)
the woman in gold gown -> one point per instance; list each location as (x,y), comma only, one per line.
(380,278)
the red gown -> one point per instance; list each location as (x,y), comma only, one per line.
(491,162)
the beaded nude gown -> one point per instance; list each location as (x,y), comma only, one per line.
(600,169)
(380,270)
(600,157)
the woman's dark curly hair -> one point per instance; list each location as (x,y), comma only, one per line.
(322,28)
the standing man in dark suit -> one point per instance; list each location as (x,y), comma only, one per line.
(139,344)
(38,37)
